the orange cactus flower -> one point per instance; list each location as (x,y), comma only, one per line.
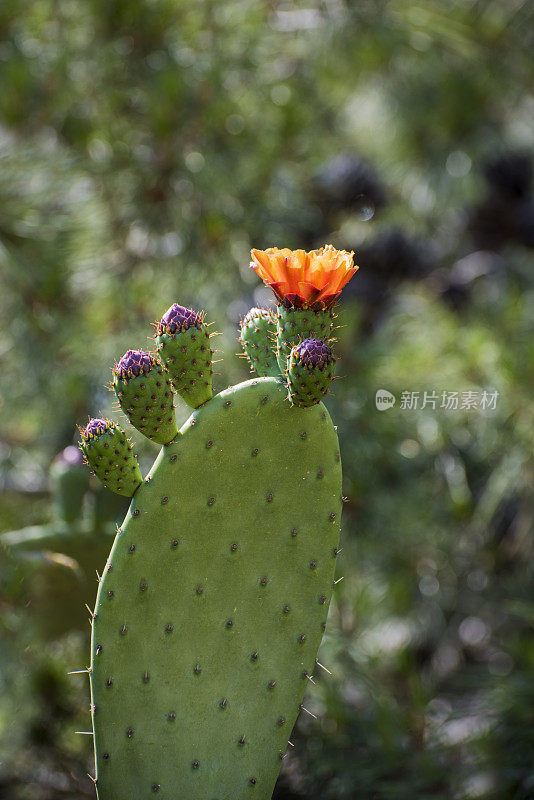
(304,280)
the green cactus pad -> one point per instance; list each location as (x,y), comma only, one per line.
(258,337)
(311,371)
(109,453)
(214,601)
(183,344)
(69,482)
(296,324)
(145,394)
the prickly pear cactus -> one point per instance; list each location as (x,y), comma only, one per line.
(69,483)
(215,595)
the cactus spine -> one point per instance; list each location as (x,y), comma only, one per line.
(214,599)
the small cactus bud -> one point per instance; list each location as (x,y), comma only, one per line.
(313,353)
(107,451)
(183,344)
(257,335)
(178,318)
(310,372)
(95,428)
(139,381)
(133,363)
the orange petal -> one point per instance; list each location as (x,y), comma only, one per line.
(308,291)
(261,264)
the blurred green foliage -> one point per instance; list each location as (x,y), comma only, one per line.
(145,146)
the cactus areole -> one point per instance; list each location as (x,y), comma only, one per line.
(214,599)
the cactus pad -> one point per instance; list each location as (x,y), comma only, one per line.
(183,344)
(214,601)
(145,394)
(108,452)
(258,337)
(69,483)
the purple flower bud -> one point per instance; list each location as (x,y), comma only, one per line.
(96,427)
(178,318)
(133,363)
(313,353)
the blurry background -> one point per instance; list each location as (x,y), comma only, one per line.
(145,146)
